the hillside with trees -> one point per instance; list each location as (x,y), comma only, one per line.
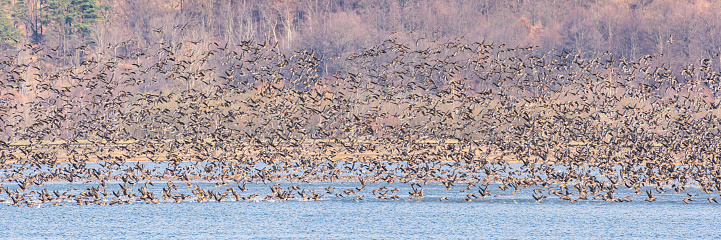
(682,30)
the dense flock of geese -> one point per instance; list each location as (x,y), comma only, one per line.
(479,119)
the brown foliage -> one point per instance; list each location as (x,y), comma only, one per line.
(680,30)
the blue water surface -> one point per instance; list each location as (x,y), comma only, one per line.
(504,217)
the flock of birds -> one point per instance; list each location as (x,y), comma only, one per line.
(481,120)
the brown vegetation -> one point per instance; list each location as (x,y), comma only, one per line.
(681,31)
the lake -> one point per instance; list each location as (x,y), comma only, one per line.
(508,217)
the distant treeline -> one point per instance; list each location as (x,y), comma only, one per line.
(683,31)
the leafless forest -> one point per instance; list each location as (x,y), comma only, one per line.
(683,31)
